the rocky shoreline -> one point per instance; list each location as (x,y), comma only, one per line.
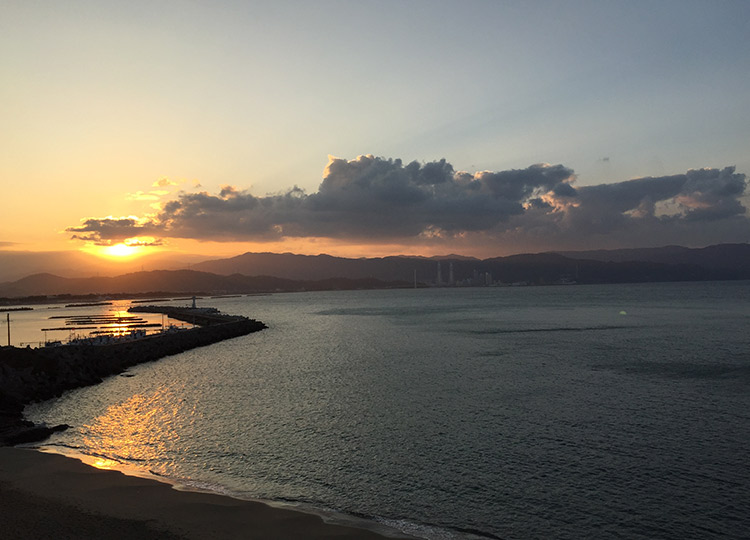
(28,375)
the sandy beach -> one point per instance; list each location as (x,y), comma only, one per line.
(51,496)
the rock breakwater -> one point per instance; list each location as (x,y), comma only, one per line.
(28,375)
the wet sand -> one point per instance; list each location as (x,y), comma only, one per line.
(52,496)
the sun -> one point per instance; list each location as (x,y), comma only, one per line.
(120,251)
(124,250)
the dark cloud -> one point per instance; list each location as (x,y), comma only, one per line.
(378,199)
(710,196)
(564,190)
(698,195)
(144,243)
(109,230)
(372,197)
(696,208)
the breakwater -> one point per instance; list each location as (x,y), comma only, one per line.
(199,316)
(28,375)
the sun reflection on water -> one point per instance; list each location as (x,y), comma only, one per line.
(121,327)
(138,430)
(102,463)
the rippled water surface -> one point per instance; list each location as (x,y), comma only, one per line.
(618,411)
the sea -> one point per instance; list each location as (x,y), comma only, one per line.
(581,411)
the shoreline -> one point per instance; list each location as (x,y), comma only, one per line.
(28,375)
(65,494)
(191,485)
(48,493)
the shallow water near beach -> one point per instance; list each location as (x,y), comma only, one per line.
(531,412)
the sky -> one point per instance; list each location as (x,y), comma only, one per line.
(372,128)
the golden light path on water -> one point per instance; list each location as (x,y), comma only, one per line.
(122,325)
(138,430)
(438,407)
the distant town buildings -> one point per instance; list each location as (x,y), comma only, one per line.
(477,279)
(460,273)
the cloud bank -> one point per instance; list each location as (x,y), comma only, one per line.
(378,200)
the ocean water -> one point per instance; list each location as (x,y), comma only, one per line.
(618,411)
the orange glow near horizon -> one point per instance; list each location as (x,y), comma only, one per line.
(129,249)
(336,248)
(126,251)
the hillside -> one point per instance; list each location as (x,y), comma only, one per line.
(15,265)
(725,261)
(174,282)
(722,256)
(268,272)
(315,267)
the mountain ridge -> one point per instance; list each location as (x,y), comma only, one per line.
(718,258)
(268,272)
(16,265)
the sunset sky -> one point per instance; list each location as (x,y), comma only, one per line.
(373,128)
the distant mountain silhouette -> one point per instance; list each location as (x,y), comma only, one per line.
(264,272)
(725,261)
(18,264)
(160,282)
(315,267)
(722,256)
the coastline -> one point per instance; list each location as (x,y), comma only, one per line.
(28,375)
(55,493)
(49,494)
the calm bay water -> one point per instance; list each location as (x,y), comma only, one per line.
(56,322)
(557,412)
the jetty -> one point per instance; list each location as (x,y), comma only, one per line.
(28,375)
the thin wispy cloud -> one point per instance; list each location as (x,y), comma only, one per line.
(153,195)
(164,182)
